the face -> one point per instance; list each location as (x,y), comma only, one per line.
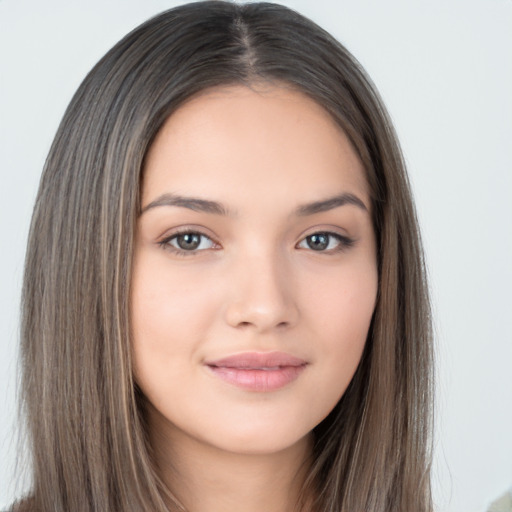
(255,274)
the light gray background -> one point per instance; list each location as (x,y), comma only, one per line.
(444,68)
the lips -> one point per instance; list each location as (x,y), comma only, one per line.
(261,372)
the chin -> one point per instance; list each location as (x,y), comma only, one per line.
(257,438)
(260,443)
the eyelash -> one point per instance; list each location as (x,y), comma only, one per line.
(166,242)
(344,242)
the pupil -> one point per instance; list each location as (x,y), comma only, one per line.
(318,242)
(189,241)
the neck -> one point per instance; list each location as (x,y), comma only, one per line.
(205,478)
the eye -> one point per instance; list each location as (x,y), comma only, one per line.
(325,242)
(188,242)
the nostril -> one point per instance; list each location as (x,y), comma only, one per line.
(255,313)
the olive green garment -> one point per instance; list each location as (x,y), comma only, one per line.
(503,504)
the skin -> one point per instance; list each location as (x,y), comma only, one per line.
(253,284)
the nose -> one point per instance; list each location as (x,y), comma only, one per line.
(262,295)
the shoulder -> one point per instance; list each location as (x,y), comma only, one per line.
(503,504)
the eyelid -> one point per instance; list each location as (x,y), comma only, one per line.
(344,242)
(184,229)
(164,241)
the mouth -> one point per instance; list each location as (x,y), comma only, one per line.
(260,372)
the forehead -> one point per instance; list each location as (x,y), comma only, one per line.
(237,141)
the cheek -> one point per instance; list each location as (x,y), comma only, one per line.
(170,313)
(343,313)
(344,303)
(348,315)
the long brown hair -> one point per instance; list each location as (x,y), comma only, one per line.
(84,414)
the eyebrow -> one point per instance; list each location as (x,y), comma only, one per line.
(329,204)
(206,206)
(192,203)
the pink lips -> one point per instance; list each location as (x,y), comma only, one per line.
(257,371)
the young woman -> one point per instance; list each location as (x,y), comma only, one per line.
(225,305)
